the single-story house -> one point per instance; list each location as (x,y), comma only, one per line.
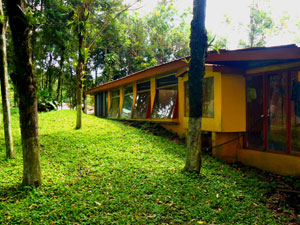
(251,102)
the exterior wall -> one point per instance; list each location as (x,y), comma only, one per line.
(121,99)
(229,105)
(233,103)
(227,152)
(276,163)
(273,162)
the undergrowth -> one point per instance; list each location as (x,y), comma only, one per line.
(111,173)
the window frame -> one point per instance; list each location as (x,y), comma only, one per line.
(111,102)
(175,110)
(125,95)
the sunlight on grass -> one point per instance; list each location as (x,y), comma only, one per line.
(112,173)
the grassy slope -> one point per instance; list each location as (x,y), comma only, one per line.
(111,173)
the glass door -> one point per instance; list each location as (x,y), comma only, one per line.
(277,113)
(255,113)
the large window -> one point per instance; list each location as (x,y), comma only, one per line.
(100,104)
(166,98)
(115,104)
(295,111)
(208,103)
(142,102)
(273,112)
(127,103)
(255,110)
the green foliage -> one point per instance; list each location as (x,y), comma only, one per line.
(261,24)
(46,101)
(110,173)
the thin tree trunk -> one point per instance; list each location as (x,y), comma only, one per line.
(198,46)
(27,90)
(60,74)
(4,88)
(79,95)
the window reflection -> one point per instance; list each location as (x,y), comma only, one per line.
(255,111)
(208,103)
(208,98)
(127,103)
(277,112)
(142,102)
(141,105)
(115,104)
(166,97)
(165,101)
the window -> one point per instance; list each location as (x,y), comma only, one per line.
(255,110)
(295,111)
(115,104)
(127,103)
(208,98)
(273,111)
(166,98)
(100,104)
(142,102)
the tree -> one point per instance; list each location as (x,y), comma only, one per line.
(198,45)
(5,87)
(26,86)
(260,24)
(111,11)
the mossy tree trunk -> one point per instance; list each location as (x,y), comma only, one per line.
(83,18)
(198,45)
(27,91)
(4,88)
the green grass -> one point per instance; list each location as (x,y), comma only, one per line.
(110,173)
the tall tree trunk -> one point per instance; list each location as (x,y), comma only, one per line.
(62,59)
(4,87)
(79,93)
(83,18)
(27,90)
(198,46)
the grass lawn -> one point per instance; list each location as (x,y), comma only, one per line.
(111,173)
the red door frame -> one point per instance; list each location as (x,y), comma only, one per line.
(266,113)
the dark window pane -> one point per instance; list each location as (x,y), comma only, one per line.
(277,112)
(208,98)
(145,86)
(115,93)
(100,104)
(127,107)
(166,81)
(165,103)
(255,121)
(128,90)
(295,112)
(141,105)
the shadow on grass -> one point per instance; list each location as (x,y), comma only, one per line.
(14,193)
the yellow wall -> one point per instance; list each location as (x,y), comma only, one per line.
(108,100)
(233,103)
(229,105)
(276,163)
(121,99)
(153,92)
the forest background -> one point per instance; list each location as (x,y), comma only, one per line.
(143,36)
